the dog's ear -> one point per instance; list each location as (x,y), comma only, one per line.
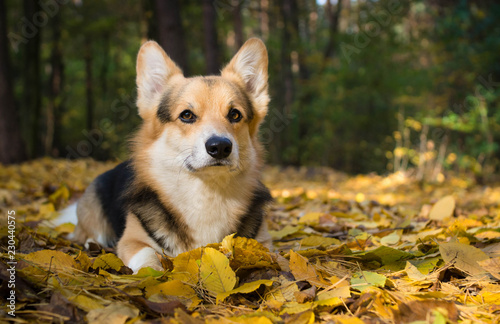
(249,66)
(154,69)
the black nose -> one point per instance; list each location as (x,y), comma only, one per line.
(219,147)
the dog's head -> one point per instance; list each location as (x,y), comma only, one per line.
(202,125)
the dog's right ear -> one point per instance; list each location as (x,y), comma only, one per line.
(154,69)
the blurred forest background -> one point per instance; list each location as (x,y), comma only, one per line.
(359,86)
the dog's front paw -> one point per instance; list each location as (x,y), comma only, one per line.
(145,258)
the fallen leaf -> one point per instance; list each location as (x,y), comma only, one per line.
(302,270)
(365,279)
(463,257)
(443,209)
(492,265)
(116,313)
(108,261)
(215,273)
(186,268)
(244,289)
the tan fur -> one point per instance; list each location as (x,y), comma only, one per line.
(135,239)
(92,223)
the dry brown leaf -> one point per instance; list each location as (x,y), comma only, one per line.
(463,257)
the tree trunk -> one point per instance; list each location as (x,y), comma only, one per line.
(291,134)
(264,19)
(210,38)
(31,89)
(238,23)
(150,17)
(333,19)
(171,32)
(88,84)
(53,137)
(12,149)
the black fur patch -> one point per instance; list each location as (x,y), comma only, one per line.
(163,112)
(110,187)
(251,221)
(247,103)
(154,215)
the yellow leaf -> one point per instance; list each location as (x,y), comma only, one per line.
(488,235)
(186,269)
(250,320)
(215,273)
(315,240)
(284,293)
(65,228)
(227,244)
(61,193)
(108,261)
(86,303)
(302,270)
(413,272)
(344,319)
(84,261)
(365,279)
(248,253)
(55,261)
(306,317)
(116,313)
(244,289)
(443,209)
(294,308)
(148,272)
(284,232)
(341,292)
(492,266)
(390,239)
(462,256)
(171,288)
(310,218)
(46,210)
(335,301)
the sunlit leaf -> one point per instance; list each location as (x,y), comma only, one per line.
(215,273)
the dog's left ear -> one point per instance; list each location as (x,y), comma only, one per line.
(249,66)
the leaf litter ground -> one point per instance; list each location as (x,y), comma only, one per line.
(346,250)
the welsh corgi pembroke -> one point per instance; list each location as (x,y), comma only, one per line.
(195,169)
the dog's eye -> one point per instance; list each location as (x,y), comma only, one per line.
(187,116)
(234,115)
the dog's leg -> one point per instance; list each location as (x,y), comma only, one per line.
(135,247)
(263,235)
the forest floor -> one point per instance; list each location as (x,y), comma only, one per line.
(346,250)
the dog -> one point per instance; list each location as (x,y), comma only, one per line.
(195,168)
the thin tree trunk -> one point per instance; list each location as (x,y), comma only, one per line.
(31,91)
(238,23)
(438,167)
(171,32)
(210,38)
(88,84)
(333,19)
(287,75)
(12,149)
(422,151)
(53,136)
(264,19)
(150,20)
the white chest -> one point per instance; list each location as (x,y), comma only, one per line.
(211,211)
